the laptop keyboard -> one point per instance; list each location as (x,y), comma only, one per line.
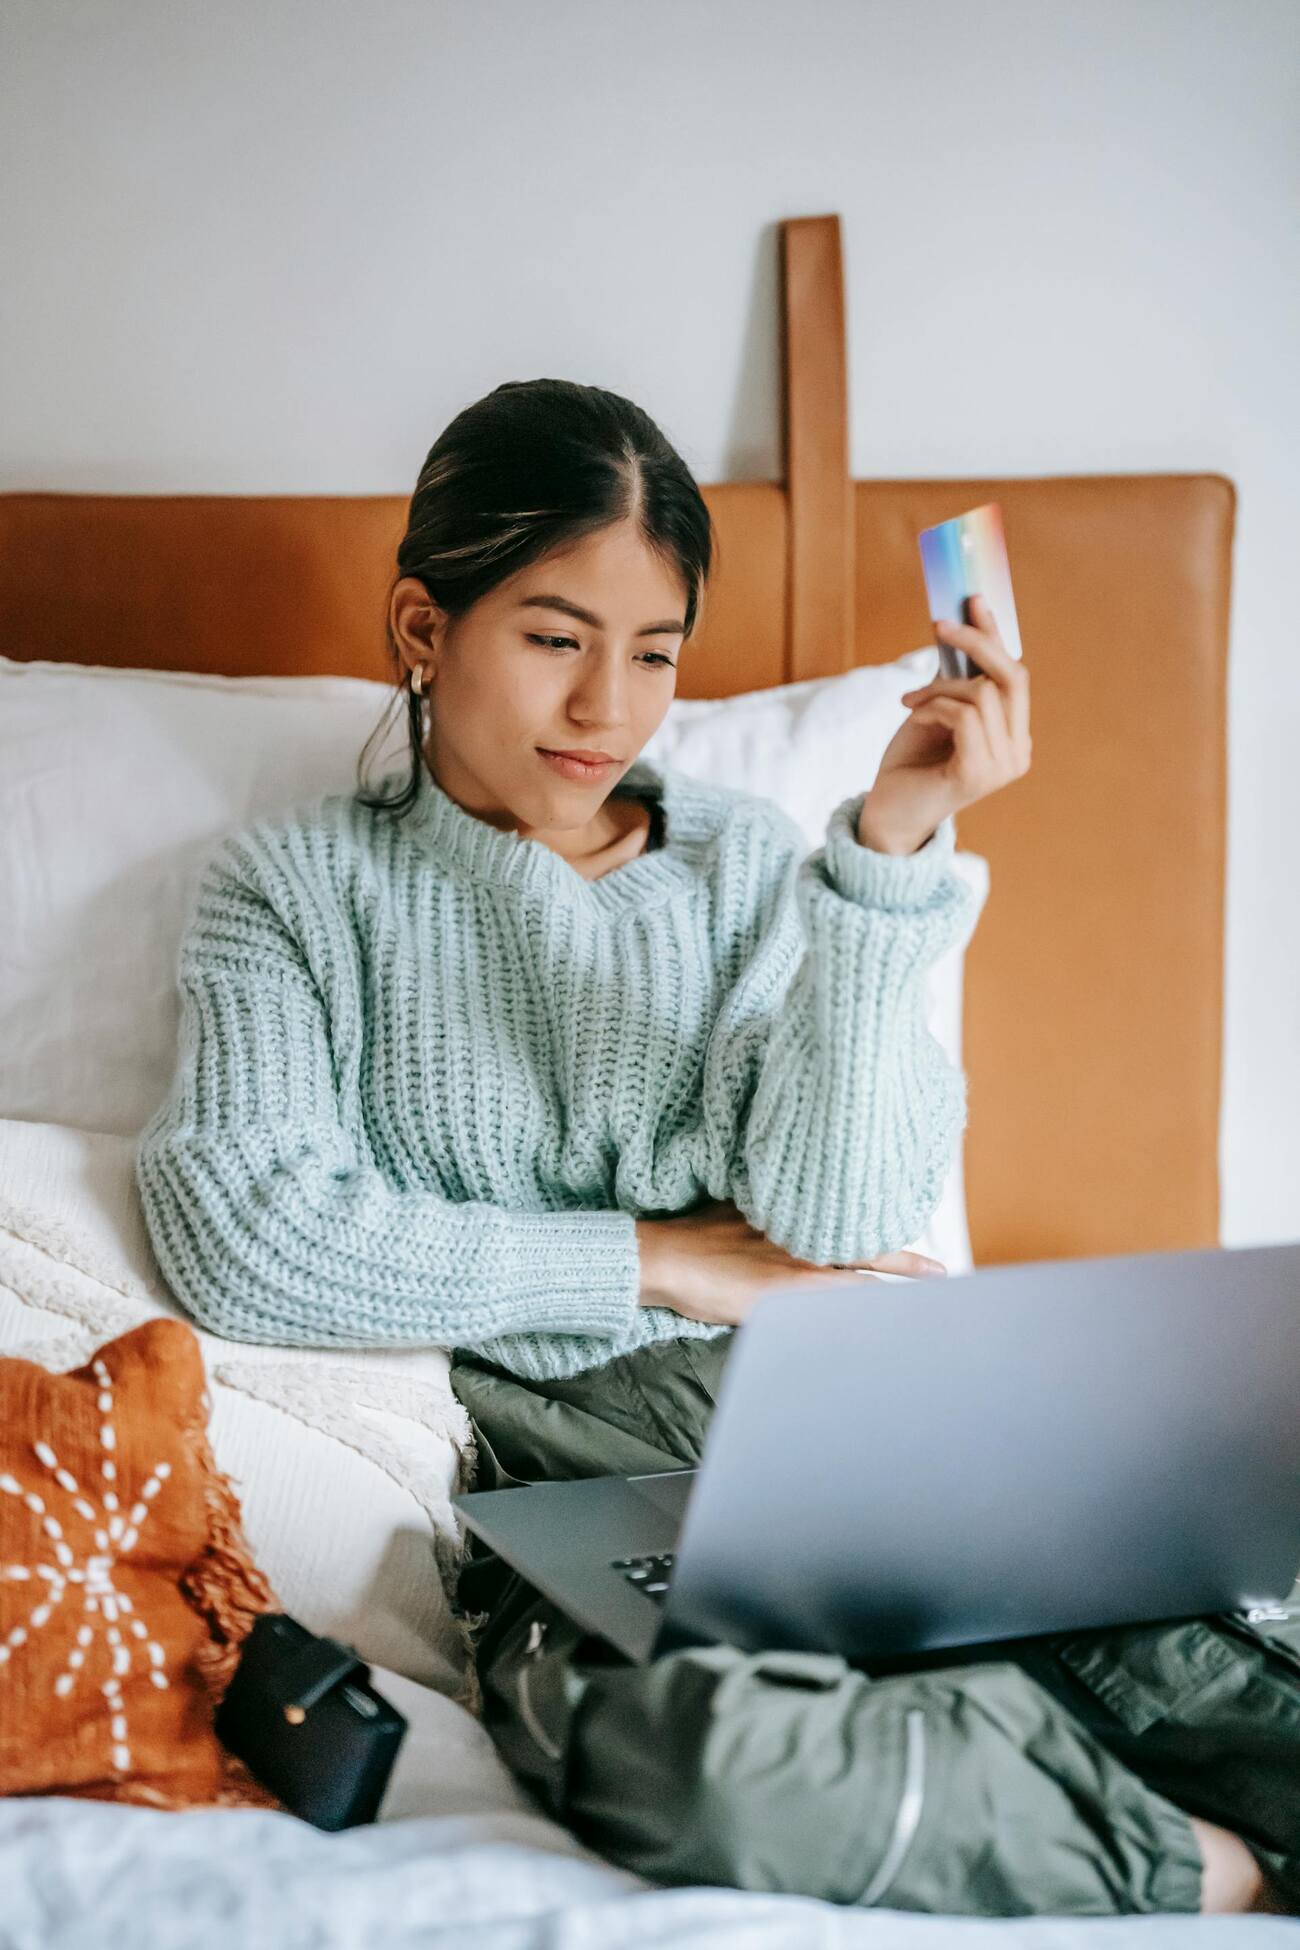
(648,1574)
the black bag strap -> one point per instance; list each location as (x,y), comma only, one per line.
(301,1678)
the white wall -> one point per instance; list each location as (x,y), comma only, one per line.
(273,245)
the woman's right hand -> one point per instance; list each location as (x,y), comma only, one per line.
(712,1265)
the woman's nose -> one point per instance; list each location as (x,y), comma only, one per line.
(600,698)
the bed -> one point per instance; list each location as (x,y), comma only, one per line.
(1090,1030)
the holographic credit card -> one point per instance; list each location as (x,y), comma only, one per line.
(967,556)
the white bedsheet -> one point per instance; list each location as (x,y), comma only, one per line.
(82,1875)
(459,1858)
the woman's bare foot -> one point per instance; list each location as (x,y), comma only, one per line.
(1232,1882)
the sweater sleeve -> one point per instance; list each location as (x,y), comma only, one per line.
(269,1226)
(833,1113)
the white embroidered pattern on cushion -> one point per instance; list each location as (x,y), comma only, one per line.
(345,1462)
(105,1609)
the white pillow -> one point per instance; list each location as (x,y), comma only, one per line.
(116,784)
(344,1462)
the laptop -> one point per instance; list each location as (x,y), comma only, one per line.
(894,1469)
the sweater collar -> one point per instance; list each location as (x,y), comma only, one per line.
(474,850)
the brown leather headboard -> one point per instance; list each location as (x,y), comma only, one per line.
(1092,1029)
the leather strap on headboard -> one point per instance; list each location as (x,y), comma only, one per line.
(819,492)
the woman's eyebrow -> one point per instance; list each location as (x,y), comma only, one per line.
(585,615)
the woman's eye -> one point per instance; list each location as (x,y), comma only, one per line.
(556,644)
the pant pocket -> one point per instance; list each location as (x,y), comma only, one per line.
(530,1682)
(1147,1673)
(1207,1712)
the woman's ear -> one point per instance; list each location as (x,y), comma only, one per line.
(415,621)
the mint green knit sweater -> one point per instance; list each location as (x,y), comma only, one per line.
(429,1076)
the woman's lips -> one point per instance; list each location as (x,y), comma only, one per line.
(576,768)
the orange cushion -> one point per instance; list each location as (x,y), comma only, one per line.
(126,1585)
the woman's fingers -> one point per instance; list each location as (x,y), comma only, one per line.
(989,701)
(914,1263)
(982,643)
(975,766)
(1007,757)
(1017,679)
(1003,704)
(980,640)
(995,706)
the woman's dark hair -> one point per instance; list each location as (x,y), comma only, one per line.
(535,464)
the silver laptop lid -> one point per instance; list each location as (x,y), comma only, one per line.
(1023,1449)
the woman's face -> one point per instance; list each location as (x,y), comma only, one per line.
(523,670)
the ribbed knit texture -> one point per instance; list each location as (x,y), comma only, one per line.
(429,1076)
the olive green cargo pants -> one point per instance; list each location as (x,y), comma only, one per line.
(1035,1776)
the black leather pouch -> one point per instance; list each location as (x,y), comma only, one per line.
(302,1716)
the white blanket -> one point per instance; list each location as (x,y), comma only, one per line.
(82,1875)
(458,1861)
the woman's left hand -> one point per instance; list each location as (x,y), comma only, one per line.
(963,739)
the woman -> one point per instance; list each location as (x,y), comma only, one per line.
(562,1065)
